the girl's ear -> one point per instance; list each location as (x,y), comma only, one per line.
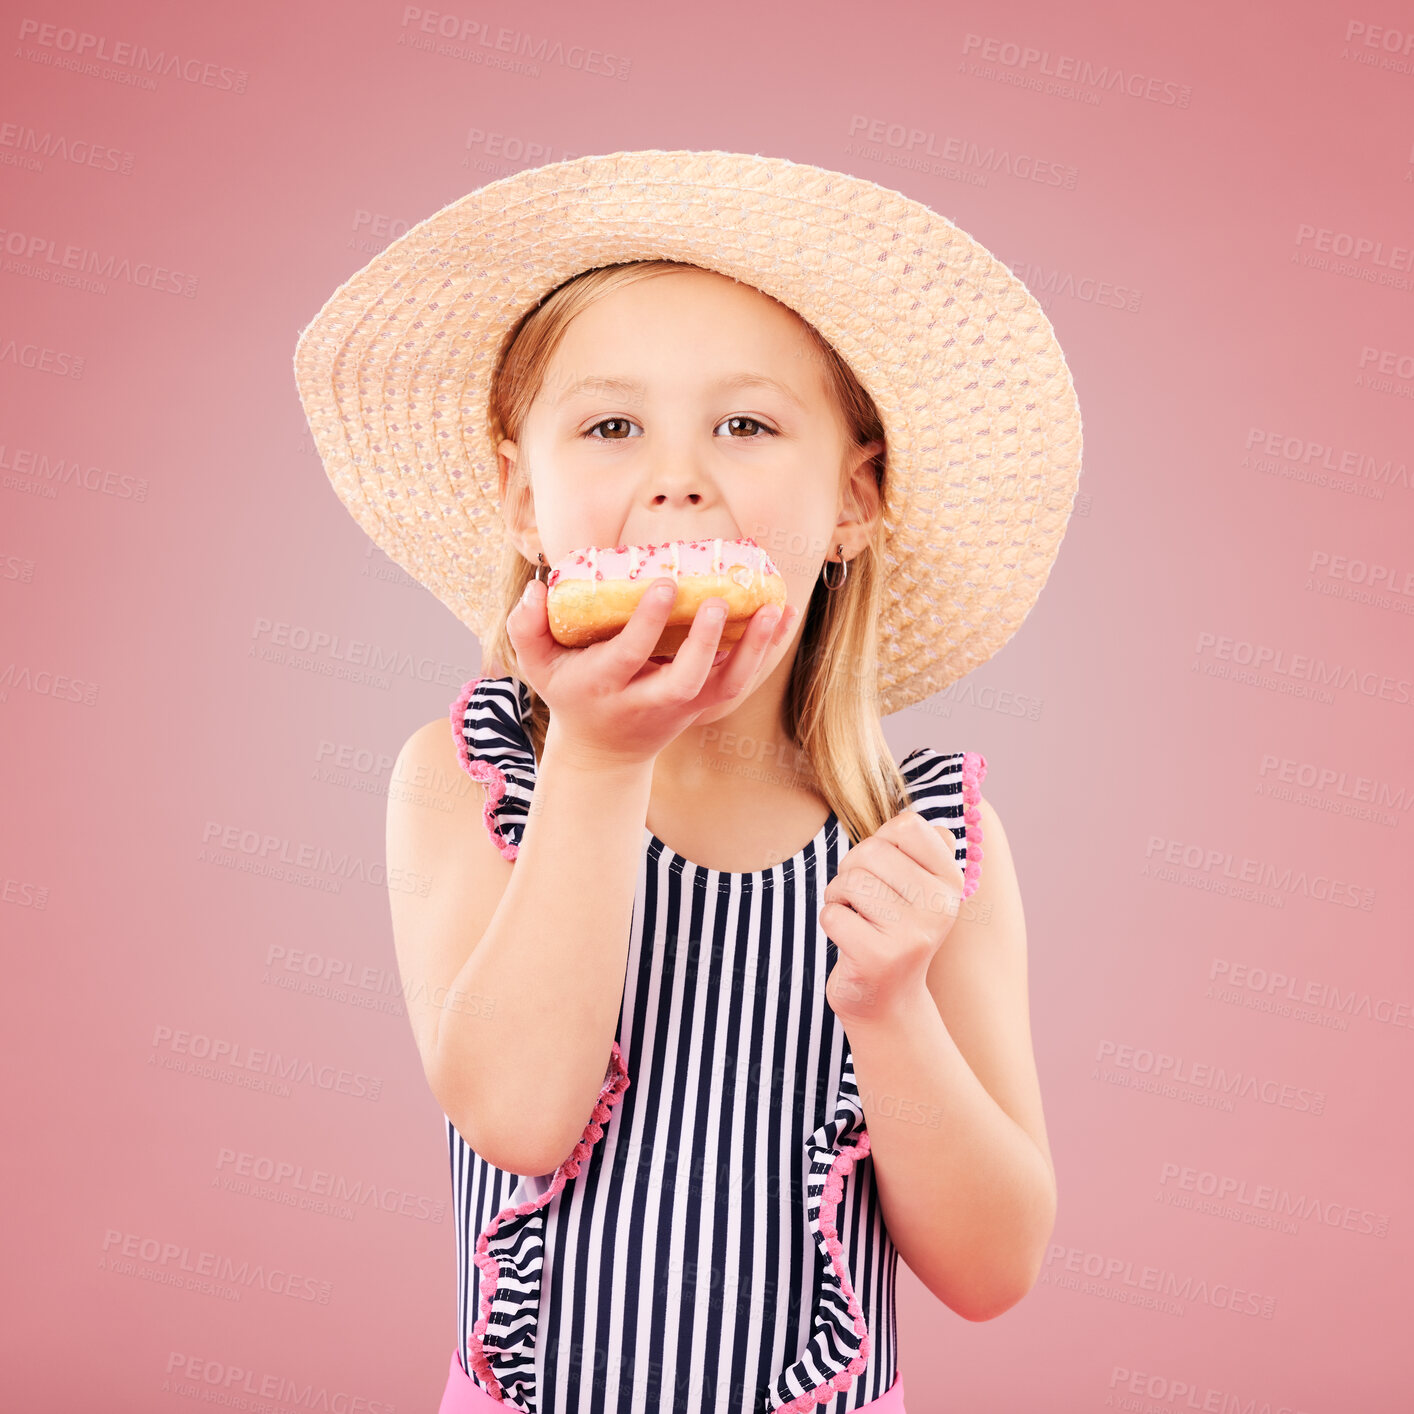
(517,503)
(507,454)
(861,503)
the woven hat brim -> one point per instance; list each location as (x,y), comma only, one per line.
(978,404)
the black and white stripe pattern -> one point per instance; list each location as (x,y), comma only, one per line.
(683,1266)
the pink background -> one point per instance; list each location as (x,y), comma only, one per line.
(1246,394)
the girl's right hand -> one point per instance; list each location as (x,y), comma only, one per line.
(608,701)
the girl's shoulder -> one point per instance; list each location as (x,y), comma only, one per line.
(493,745)
(941,780)
(945,788)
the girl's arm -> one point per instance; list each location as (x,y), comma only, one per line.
(953,1105)
(522,963)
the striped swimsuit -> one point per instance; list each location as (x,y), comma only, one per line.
(714,1244)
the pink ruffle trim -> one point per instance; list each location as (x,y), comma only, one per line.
(830,1200)
(493,779)
(609,1095)
(974,771)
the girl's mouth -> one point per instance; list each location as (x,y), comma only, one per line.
(721,658)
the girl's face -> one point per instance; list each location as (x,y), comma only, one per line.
(686,407)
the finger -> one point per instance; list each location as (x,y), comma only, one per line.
(848,930)
(635,642)
(768,627)
(868,895)
(528,626)
(694,659)
(900,880)
(931,843)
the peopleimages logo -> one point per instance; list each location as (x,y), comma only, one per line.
(42,256)
(1061,69)
(1300,669)
(52,471)
(67,48)
(1335,781)
(320,651)
(1221,871)
(172,1261)
(1273,1198)
(1116,1277)
(1343,462)
(1290,993)
(461,37)
(25,146)
(1208,1077)
(1129,1389)
(40,356)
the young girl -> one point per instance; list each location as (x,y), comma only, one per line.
(703,1082)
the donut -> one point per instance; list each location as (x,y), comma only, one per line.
(594,591)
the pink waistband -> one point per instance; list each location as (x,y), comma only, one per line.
(464,1396)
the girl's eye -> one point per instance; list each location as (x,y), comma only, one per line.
(617,429)
(615,422)
(611,422)
(751,421)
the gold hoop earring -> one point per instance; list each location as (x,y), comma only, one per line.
(844,564)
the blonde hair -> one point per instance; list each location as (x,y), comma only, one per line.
(831,701)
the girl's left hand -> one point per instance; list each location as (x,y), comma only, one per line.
(888,910)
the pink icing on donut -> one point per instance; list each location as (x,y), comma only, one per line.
(742,560)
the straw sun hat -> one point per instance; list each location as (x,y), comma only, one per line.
(979,410)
